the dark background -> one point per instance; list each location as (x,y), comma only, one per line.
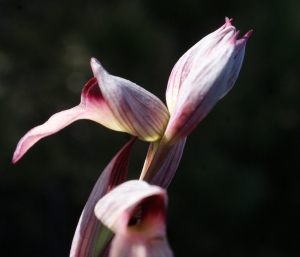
(237,189)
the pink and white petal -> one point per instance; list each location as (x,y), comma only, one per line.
(89,227)
(135,199)
(57,122)
(238,61)
(202,89)
(97,108)
(141,113)
(114,209)
(193,58)
(129,245)
(178,74)
(92,106)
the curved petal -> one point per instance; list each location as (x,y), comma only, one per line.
(141,113)
(92,106)
(240,46)
(88,228)
(140,202)
(191,60)
(124,245)
(116,103)
(122,200)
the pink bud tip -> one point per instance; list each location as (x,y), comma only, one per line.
(247,35)
(228,22)
(243,40)
(234,37)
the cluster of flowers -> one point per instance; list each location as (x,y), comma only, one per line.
(127,218)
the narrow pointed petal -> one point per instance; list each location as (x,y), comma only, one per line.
(140,202)
(239,54)
(92,106)
(141,113)
(89,227)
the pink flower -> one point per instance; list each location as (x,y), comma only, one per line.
(203,75)
(136,211)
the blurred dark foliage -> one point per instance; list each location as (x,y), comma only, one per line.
(237,189)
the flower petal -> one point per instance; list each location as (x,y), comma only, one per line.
(116,103)
(89,227)
(240,46)
(199,93)
(128,245)
(191,60)
(92,106)
(141,113)
(201,77)
(143,203)
(122,201)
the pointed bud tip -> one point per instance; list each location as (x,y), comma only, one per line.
(234,37)
(228,21)
(94,63)
(16,156)
(96,66)
(242,41)
(247,35)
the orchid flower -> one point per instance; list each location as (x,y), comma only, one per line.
(89,229)
(114,102)
(135,212)
(203,75)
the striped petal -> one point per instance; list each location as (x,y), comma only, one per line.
(191,60)
(92,106)
(135,212)
(116,103)
(89,229)
(240,46)
(200,78)
(163,175)
(138,111)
